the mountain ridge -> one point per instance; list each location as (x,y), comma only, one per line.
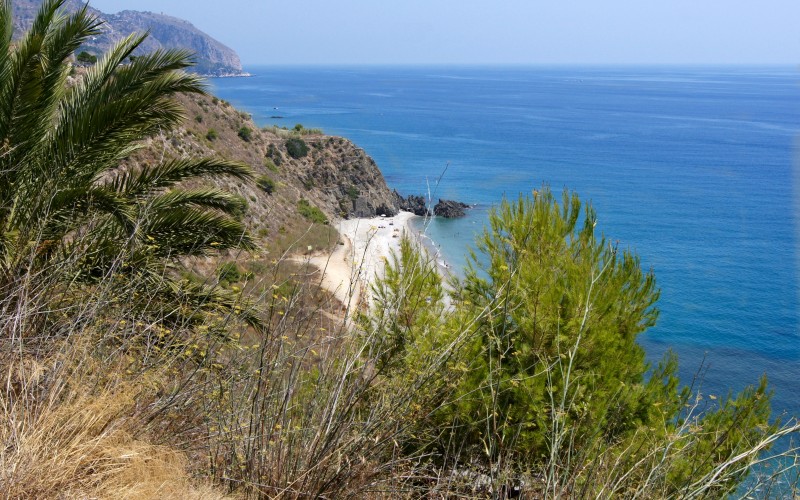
(212,57)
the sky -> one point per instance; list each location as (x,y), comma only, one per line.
(493,32)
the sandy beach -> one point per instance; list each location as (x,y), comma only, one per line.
(365,247)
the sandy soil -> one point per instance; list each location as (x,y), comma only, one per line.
(361,255)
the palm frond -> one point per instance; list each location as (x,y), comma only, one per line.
(117,105)
(146,180)
(192,231)
(20,89)
(61,40)
(175,301)
(205,197)
(151,67)
(70,205)
(6,32)
(33,84)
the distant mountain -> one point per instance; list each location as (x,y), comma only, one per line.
(212,57)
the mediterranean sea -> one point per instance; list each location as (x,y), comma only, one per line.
(694,168)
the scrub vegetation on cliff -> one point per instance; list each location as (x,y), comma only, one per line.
(156,342)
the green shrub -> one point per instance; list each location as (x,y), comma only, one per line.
(229,271)
(86,58)
(549,377)
(211,135)
(352,192)
(241,207)
(274,155)
(270,164)
(266,184)
(311,212)
(245,134)
(297,148)
(198,118)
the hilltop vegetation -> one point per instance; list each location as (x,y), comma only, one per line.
(156,342)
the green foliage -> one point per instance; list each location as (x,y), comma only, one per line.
(296,147)
(298,127)
(274,155)
(239,207)
(543,372)
(266,184)
(211,135)
(229,272)
(270,165)
(86,58)
(66,204)
(311,212)
(198,118)
(561,292)
(408,309)
(352,192)
(245,133)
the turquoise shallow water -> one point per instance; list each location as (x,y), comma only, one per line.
(694,168)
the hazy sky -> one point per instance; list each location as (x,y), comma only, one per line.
(499,31)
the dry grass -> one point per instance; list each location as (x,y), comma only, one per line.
(64,437)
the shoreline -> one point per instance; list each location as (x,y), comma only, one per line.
(365,246)
(433,249)
(364,249)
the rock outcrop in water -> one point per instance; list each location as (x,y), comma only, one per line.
(418,206)
(450,209)
(212,57)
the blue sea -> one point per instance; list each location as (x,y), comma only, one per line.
(694,168)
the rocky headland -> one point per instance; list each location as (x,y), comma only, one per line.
(212,57)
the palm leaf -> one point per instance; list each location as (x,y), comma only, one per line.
(71,205)
(116,106)
(146,180)
(192,231)
(6,32)
(22,89)
(207,197)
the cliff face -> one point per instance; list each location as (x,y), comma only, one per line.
(333,175)
(212,57)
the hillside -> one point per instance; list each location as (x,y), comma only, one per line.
(212,57)
(334,175)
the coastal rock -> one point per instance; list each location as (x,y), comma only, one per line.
(212,57)
(412,203)
(342,178)
(364,207)
(450,209)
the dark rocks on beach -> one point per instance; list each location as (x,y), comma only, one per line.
(416,205)
(385,210)
(363,207)
(413,203)
(450,209)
